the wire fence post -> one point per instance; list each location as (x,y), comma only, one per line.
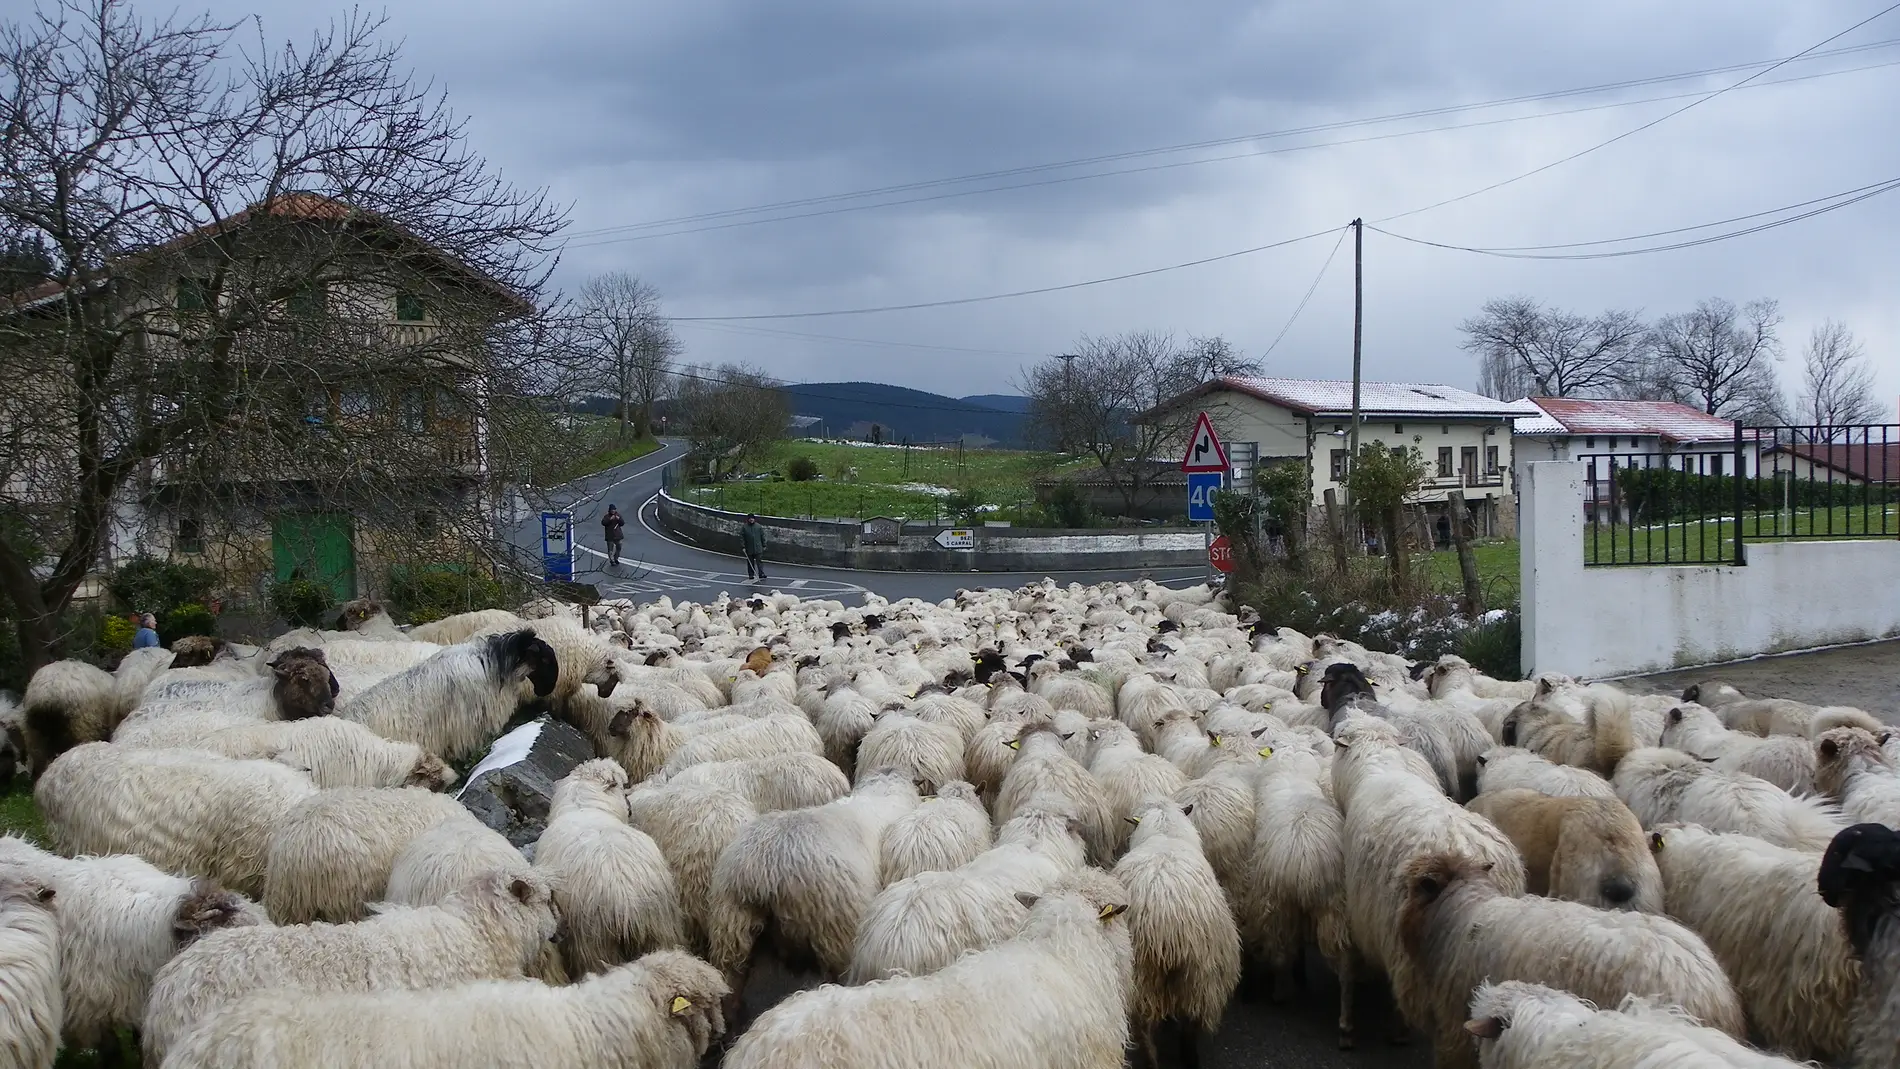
(1741,493)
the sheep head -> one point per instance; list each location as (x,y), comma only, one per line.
(430,773)
(196,651)
(354,614)
(523,653)
(207,908)
(1341,681)
(605,676)
(1860,876)
(1427,879)
(303,686)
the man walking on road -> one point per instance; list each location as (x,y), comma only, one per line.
(752,537)
(614,527)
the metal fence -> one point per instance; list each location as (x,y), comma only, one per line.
(1702,503)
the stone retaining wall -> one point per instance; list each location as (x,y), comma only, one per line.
(998,549)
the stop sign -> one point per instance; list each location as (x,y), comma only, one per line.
(1221,555)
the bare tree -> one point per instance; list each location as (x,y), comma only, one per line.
(1837,382)
(1721,359)
(1216,356)
(729,414)
(630,345)
(1524,348)
(281,280)
(1090,404)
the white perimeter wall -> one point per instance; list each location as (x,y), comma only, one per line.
(1610,621)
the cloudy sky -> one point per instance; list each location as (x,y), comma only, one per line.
(639,112)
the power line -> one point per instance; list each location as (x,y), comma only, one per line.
(1310,290)
(1769,65)
(1645,126)
(1005,296)
(1831,202)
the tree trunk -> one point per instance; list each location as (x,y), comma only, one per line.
(643,420)
(1336,527)
(1467,560)
(1396,555)
(37,637)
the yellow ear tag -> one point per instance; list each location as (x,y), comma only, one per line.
(1015,744)
(1213,740)
(1108,911)
(1301,670)
(680,1005)
(1267,708)
(1266,751)
(732,679)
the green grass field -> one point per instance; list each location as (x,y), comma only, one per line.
(1497,569)
(858,482)
(18,816)
(1698,541)
(592,444)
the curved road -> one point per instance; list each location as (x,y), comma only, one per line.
(653,564)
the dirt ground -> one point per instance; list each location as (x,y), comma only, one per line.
(1865,676)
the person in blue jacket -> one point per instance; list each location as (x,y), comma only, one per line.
(147,634)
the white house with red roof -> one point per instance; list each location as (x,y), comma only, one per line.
(1607,434)
(1465,438)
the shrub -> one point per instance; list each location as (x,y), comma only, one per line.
(115,634)
(1068,506)
(1495,646)
(801,469)
(420,595)
(149,584)
(188,619)
(303,602)
(963,504)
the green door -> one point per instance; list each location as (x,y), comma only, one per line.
(316,545)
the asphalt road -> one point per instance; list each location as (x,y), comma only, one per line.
(653,564)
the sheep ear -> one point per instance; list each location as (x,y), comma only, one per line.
(1544,687)
(1187,810)
(1014,744)
(521,889)
(1027,899)
(1829,748)
(1213,739)
(1266,751)
(1067,735)
(1885,736)
(1655,842)
(1692,693)
(1133,821)
(1675,716)
(1485,1027)
(44,894)
(622,724)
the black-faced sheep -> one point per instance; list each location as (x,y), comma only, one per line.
(1860,876)
(456,702)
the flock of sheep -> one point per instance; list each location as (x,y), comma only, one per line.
(1041,827)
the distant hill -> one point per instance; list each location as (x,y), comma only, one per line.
(1002,402)
(848,409)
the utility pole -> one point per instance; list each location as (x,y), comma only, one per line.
(1068,367)
(1358,330)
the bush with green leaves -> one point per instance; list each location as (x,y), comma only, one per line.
(115,634)
(801,469)
(157,586)
(188,619)
(419,595)
(963,504)
(1495,646)
(1067,505)
(303,602)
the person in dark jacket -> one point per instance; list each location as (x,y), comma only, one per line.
(614,527)
(752,537)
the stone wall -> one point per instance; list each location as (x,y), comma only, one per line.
(998,549)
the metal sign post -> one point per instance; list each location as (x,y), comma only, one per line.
(557,546)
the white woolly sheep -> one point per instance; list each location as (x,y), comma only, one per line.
(1392,816)
(446,858)
(1220,806)
(1853,770)
(949,829)
(1860,876)
(1777,716)
(780,781)
(121,919)
(1588,850)
(843,720)
(1127,774)
(334,751)
(921,924)
(184,811)
(1043,764)
(67,703)
(1054,997)
(1757,907)
(617,898)
(965,716)
(645,744)
(459,628)
(1661,785)
(495,928)
(692,825)
(1187,950)
(1459,930)
(986,760)
(31,1006)
(1787,761)
(1506,768)
(456,702)
(931,753)
(661,1012)
(1530,1026)
(1292,892)
(810,873)
(330,855)
(1598,742)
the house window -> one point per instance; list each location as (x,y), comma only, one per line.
(310,301)
(1490,460)
(426,524)
(414,412)
(194,294)
(356,403)
(1468,464)
(1444,462)
(1398,428)
(1591,443)
(409,308)
(1339,465)
(190,537)
(1715,464)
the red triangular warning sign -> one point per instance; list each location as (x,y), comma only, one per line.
(1204,451)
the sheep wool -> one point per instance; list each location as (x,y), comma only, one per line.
(1853,769)
(444,859)
(1186,947)
(1054,997)
(31,1006)
(1755,905)
(616,896)
(810,872)
(1787,761)
(692,824)
(335,752)
(1588,850)
(1662,785)
(780,781)
(67,703)
(457,701)
(1043,764)
(1530,1026)
(463,626)
(1504,768)
(930,753)
(495,928)
(661,1012)
(1292,891)
(120,920)
(331,854)
(182,810)
(949,829)
(1459,930)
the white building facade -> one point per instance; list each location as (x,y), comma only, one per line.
(1609,434)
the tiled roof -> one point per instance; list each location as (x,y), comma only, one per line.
(1316,397)
(1665,419)
(1877,462)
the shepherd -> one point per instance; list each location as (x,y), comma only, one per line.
(614,527)
(752,537)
